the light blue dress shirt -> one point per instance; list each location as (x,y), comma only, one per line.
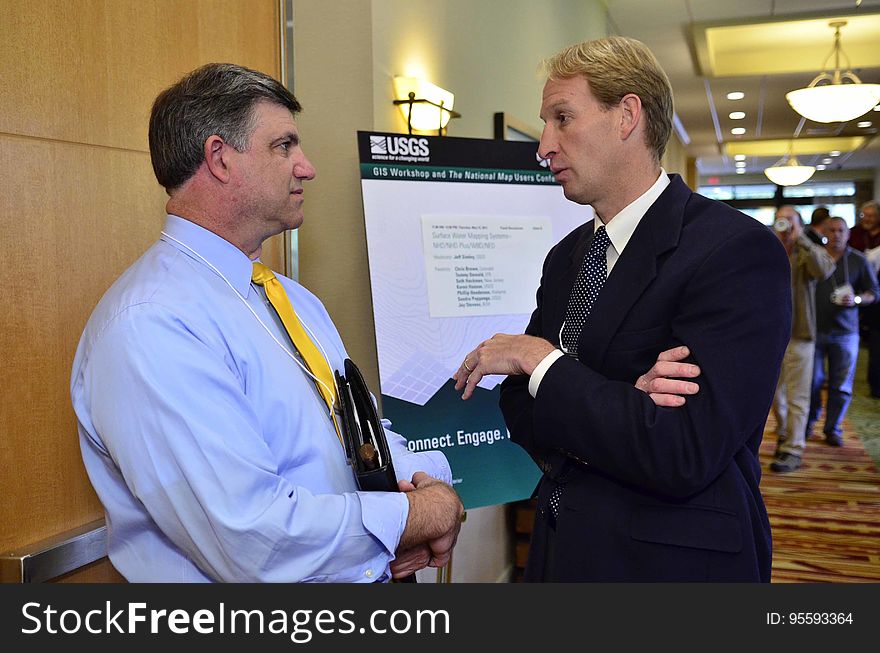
(211,450)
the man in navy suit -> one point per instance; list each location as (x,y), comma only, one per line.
(635,489)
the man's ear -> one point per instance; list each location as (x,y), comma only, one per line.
(216,153)
(631,114)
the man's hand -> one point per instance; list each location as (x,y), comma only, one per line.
(500,354)
(659,384)
(432,527)
(409,561)
(441,548)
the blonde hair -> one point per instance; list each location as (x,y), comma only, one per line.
(614,67)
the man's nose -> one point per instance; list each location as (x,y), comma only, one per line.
(304,169)
(547,144)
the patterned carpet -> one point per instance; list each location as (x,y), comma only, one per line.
(864,411)
(825,516)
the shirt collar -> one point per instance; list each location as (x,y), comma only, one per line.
(209,249)
(621,228)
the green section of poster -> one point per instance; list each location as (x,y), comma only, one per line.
(487,467)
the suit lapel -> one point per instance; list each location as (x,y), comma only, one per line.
(657,232)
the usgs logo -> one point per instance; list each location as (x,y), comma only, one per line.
(399,146)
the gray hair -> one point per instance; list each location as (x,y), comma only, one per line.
(216,99)
(870,204)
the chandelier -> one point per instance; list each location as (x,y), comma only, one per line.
(835,100)
(788,172)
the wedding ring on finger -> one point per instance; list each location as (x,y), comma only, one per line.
(466,366)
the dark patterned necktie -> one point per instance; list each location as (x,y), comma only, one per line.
(590,279)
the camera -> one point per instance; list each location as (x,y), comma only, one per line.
(781,225)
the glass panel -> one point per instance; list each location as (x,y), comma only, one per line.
(755,192)
(716,192)
(763,214)
(821,189)
(845,211)
(745,192)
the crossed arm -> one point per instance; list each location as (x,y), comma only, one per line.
(519,354)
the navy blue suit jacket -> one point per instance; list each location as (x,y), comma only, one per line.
(661,494)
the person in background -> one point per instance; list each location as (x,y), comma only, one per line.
(809,263)
(865,237)
(632,489)
(203,382)
(815,231)
(852,284)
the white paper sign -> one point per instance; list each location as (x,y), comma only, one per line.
(483,265)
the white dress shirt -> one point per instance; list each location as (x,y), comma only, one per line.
(619,229)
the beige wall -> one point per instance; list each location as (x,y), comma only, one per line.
(345,55)
(332,78)
(675,158)
(79,203)
(486,52)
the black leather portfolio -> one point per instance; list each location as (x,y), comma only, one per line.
(365,442)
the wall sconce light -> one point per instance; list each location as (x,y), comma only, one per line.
(425,106)
(835,101)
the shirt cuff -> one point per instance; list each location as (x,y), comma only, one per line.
(384,515)
(433,463)
(407,463)
(541,369)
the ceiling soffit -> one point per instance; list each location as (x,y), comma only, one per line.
(784,45)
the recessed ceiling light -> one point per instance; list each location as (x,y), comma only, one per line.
(834,153)
(739,95)
(740,164)
(737,115)
(739,157)
(738,131)
(827,160)
(820,167)
(863,124)
(740,171)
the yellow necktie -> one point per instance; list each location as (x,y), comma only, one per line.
(318,365)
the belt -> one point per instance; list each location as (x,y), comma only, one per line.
(558,464)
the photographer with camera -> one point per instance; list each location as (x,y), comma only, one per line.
(809,263)
(852,284)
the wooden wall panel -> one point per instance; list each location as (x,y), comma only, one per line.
(78,203)
(73,232)
(88,71)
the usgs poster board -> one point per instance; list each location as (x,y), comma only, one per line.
(457,232)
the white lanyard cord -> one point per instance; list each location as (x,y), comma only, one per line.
(263,324)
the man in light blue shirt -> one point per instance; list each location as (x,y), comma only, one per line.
(208,443)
